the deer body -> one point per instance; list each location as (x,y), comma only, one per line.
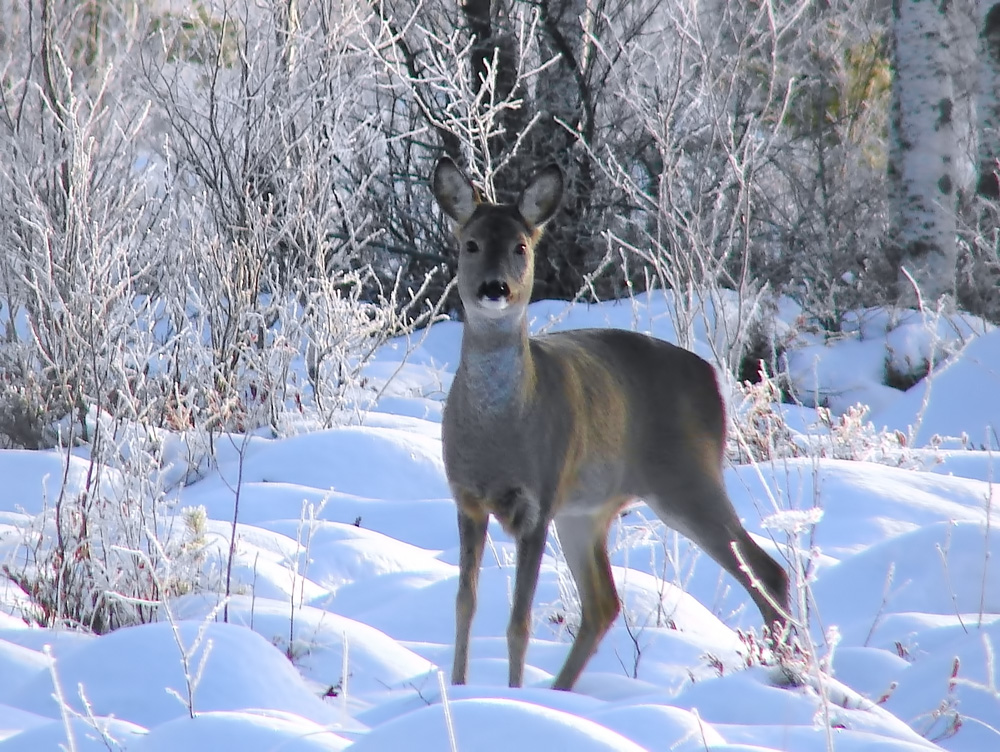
(570,427)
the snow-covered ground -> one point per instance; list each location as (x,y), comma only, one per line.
(346,560)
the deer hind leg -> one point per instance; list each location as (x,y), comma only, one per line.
(707,517)
(584,543)
(767,582)
(472,540)
(760,575)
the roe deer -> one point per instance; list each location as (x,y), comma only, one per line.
(570,427)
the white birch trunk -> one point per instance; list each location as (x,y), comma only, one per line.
(922,152)
(989,100)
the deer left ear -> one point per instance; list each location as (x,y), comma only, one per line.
(540,199)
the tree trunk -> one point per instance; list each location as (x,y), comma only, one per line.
(494,64)
(564,98)
(923,151)
(988,185)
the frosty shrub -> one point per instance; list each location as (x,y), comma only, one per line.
(186,220)
(189,249)
(105,554)
(760,432)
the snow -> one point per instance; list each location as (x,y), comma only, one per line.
(123,671)
(490,724)
(36,480)
(248,731)
(961,398)
(345,571)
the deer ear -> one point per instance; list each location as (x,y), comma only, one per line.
(540,199)
(454,192)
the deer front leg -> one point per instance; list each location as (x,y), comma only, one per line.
(472,539)
(530,547)
(584,544)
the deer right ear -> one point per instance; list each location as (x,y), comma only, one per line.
(454,192)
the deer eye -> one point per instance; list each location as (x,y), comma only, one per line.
(472,247)
(521,249)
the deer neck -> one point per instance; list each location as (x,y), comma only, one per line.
(496,365)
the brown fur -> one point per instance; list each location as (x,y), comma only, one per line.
(567,428)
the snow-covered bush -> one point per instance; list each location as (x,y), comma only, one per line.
(108,548)
(186,251)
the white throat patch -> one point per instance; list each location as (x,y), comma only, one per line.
(501,304)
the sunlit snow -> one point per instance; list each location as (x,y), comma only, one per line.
(346,558)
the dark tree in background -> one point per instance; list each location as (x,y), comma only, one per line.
(988,185)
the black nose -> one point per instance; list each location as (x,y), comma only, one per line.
(494,290)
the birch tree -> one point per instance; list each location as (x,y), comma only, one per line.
(922,152)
